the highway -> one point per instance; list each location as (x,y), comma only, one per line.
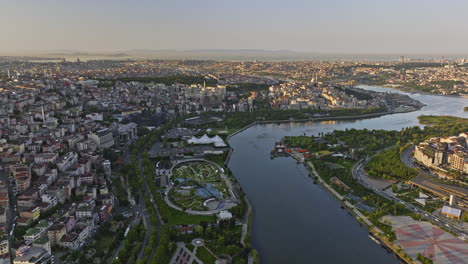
(358,172)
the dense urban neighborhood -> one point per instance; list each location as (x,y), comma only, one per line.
(126,161)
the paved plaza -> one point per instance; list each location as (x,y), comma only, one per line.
(432,242)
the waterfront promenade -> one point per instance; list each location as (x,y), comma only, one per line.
(354,210)
(372,228)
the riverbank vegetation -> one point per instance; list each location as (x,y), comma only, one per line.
(423,259)
(305,142)
(371,205)
(385,147)
(442,120)
(237,120)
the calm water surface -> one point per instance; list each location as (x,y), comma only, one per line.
(296,221)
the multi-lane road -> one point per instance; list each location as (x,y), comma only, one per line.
(11,210)
(359,173)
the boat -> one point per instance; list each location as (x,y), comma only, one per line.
(374,239)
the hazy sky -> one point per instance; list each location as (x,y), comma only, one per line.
(345,26)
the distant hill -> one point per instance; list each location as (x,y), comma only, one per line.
(217,51)
(241,51)
(84,54)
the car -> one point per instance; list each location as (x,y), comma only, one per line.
(426,214)
(437,220)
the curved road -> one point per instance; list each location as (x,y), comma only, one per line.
(359,173)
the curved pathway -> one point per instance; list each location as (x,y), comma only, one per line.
(245,225)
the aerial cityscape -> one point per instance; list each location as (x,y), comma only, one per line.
(233,133)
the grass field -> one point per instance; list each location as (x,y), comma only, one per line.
(320,154)
(333,165)
(176,217)
(205,256)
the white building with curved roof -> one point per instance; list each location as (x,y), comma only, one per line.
(205,140)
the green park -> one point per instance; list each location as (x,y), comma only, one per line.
(195,183)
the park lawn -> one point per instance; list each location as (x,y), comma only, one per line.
(320,154)
(189,246)
(205,256)
(442,120)
(176,217)
(333,165)
(345,163)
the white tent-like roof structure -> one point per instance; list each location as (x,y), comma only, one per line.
(421,201)
(447,210)
(422,195)
(204,140)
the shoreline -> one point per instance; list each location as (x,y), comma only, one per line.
(405,89)
(315,119)
(375,231)
(386,245)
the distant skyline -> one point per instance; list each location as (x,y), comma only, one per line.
(322,26)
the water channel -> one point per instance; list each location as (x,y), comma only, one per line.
(296,221)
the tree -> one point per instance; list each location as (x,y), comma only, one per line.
(199,229)
(465,216)
(110,155)
(143,131)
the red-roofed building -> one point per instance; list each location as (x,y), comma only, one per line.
(105,212)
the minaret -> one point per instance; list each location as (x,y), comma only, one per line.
(43,115)
(314,80)
(9,76)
